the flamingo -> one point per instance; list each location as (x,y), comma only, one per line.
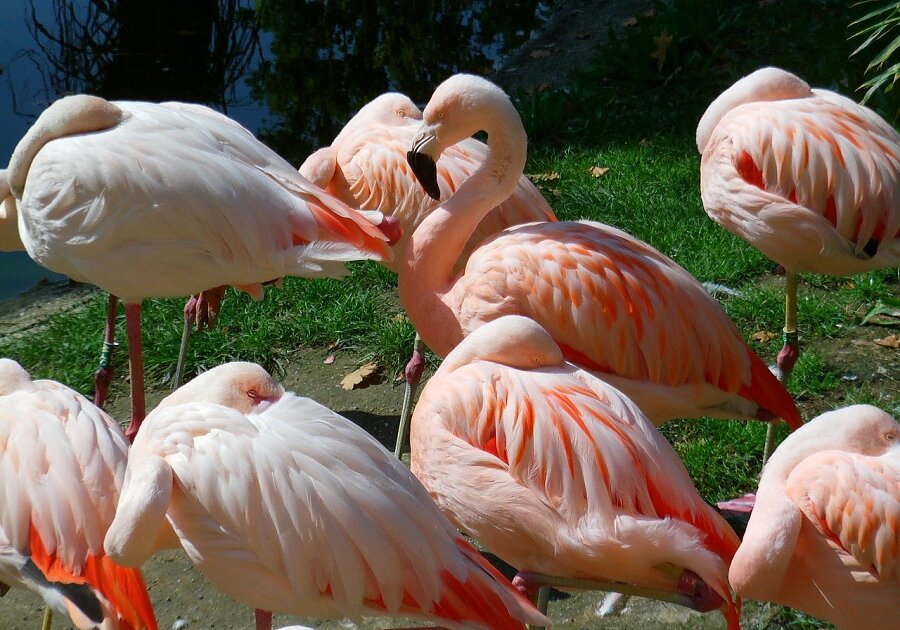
(824,535)
(365,167)
(286,506)
(62,461)
(615,305)
(162,200)
(559,474)
(808,177)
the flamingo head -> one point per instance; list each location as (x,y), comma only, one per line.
(766,84)
(460,106)
(245,387)
(12,377)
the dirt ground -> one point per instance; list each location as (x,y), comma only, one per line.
(184,599)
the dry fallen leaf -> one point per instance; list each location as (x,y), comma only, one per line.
(540,53)
(399,318)
(662,45)
(632,21)
(598,171)
(763,336)
(582,36)
(329,359)
(891,341)
(543,177)
(360,377)
(556,192)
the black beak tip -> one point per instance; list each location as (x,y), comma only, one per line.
(425,170)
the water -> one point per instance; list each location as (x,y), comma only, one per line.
(293,72)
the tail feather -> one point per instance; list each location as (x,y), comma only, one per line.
(770,394)
(101,582)
(487,597)
(336,220)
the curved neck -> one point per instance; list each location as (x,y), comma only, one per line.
(426,269)
(70,115)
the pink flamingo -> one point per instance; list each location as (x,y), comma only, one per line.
(824,535)
(808,177)
(162,200)
(63,462)
(286,506)
(560,475)
(365,167)
(614,304)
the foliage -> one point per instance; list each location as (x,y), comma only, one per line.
(876,27)
(330,58)
(658,75)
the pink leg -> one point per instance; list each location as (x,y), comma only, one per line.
(263,620)
(103,375)
(136,361)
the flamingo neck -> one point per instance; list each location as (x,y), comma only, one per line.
(425,273)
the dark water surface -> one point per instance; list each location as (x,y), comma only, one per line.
(291,71)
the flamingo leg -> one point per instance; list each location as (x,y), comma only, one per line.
(692,592)
(787,357)
(413,373)
(263,620)
(103,375)
(190,315)
(47,623)
(136,364)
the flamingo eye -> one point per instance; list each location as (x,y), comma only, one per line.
(890,437)
(401,113)
(253,394)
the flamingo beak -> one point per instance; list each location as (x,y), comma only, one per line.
(422,160)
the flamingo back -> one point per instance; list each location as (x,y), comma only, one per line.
(295,509)
(588,467)
(854,502)
(813,183)
(620,308)
(62,467)
(184,190)
(370,171)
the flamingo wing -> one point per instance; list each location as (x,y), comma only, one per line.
(189,187)
(616,306)
(814,183)
(62,465)
(296,509)
(854,501)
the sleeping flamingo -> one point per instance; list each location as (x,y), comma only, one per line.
(62,461)
(560,475)
(614,304)
(824,535)
(808,177)
(163,200)
(365,167)
(286,506)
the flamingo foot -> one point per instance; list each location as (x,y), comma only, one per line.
(390,226)
(204,309)
(263,619)
(787,357)
(704,599)
(527,584)
(102,379)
